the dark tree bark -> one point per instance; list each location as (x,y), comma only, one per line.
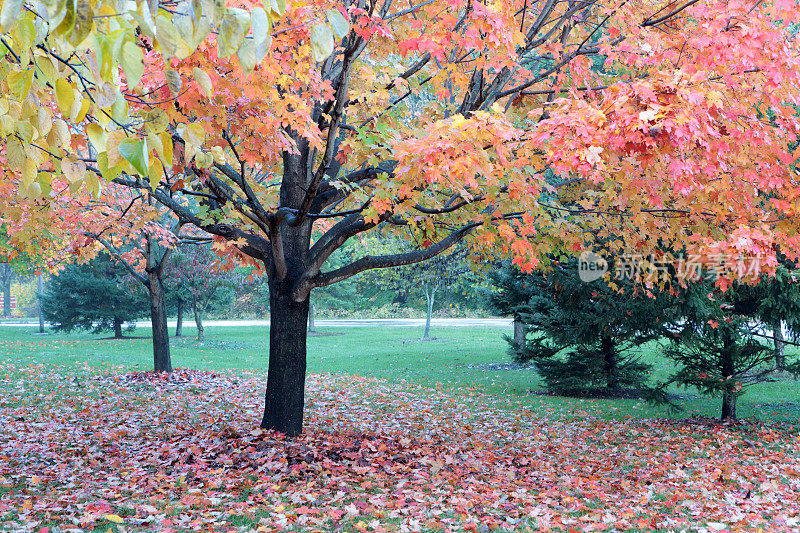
(117,328)
(285,396)
(727,370)
(610,363)
(780,345)
(311,326)
(198,320)
(179,320)
(158,318)
(6,276)
(39,296)
(519,331)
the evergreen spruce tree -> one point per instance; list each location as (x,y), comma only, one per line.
(777,305)
(97,296)
(510,291)
(717,348)
(585,335)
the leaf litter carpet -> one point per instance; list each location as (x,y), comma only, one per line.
(142,452)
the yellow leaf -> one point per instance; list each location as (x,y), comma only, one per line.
(173,82)
(93,184)
(154,171)
(132,61)
(203,160)
(106,96)
(204,81)
(48,68)
(31,190)
(15,152)
(156,121)
(321,42)
(20,82)
(86,104)
(44,183)
(75,186)
(44,121)
(97,136)
(114,518)
(83,22)
(166,146)
(62,134)
(337,22)
(219,154)
(9,13)
(167,35)
(232,30)
(29,170)
(73,169)
(112,147)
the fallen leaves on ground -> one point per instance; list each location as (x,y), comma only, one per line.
(183,453)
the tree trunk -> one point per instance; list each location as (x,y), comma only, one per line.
(430,295)
(285,396)
(198,320)
(39,296)
(179,320)
(610,363)
(780,346)
(311,327)
(7,275)
(727,371)
(519,331)
(117,327)
(158,317)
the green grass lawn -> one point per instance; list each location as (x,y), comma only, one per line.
(400,435)
(457,358)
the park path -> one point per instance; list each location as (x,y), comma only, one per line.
(335,323)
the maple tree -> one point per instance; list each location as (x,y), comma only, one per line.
(663,124)
(197,272)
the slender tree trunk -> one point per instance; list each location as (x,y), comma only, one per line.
(158,317)
(610,363)
(117,327)
(430,295)
(179,320)
(7,275)
(198,320)
(780,346)
(519,331)
(39,296)
(727,370)
(311,327)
